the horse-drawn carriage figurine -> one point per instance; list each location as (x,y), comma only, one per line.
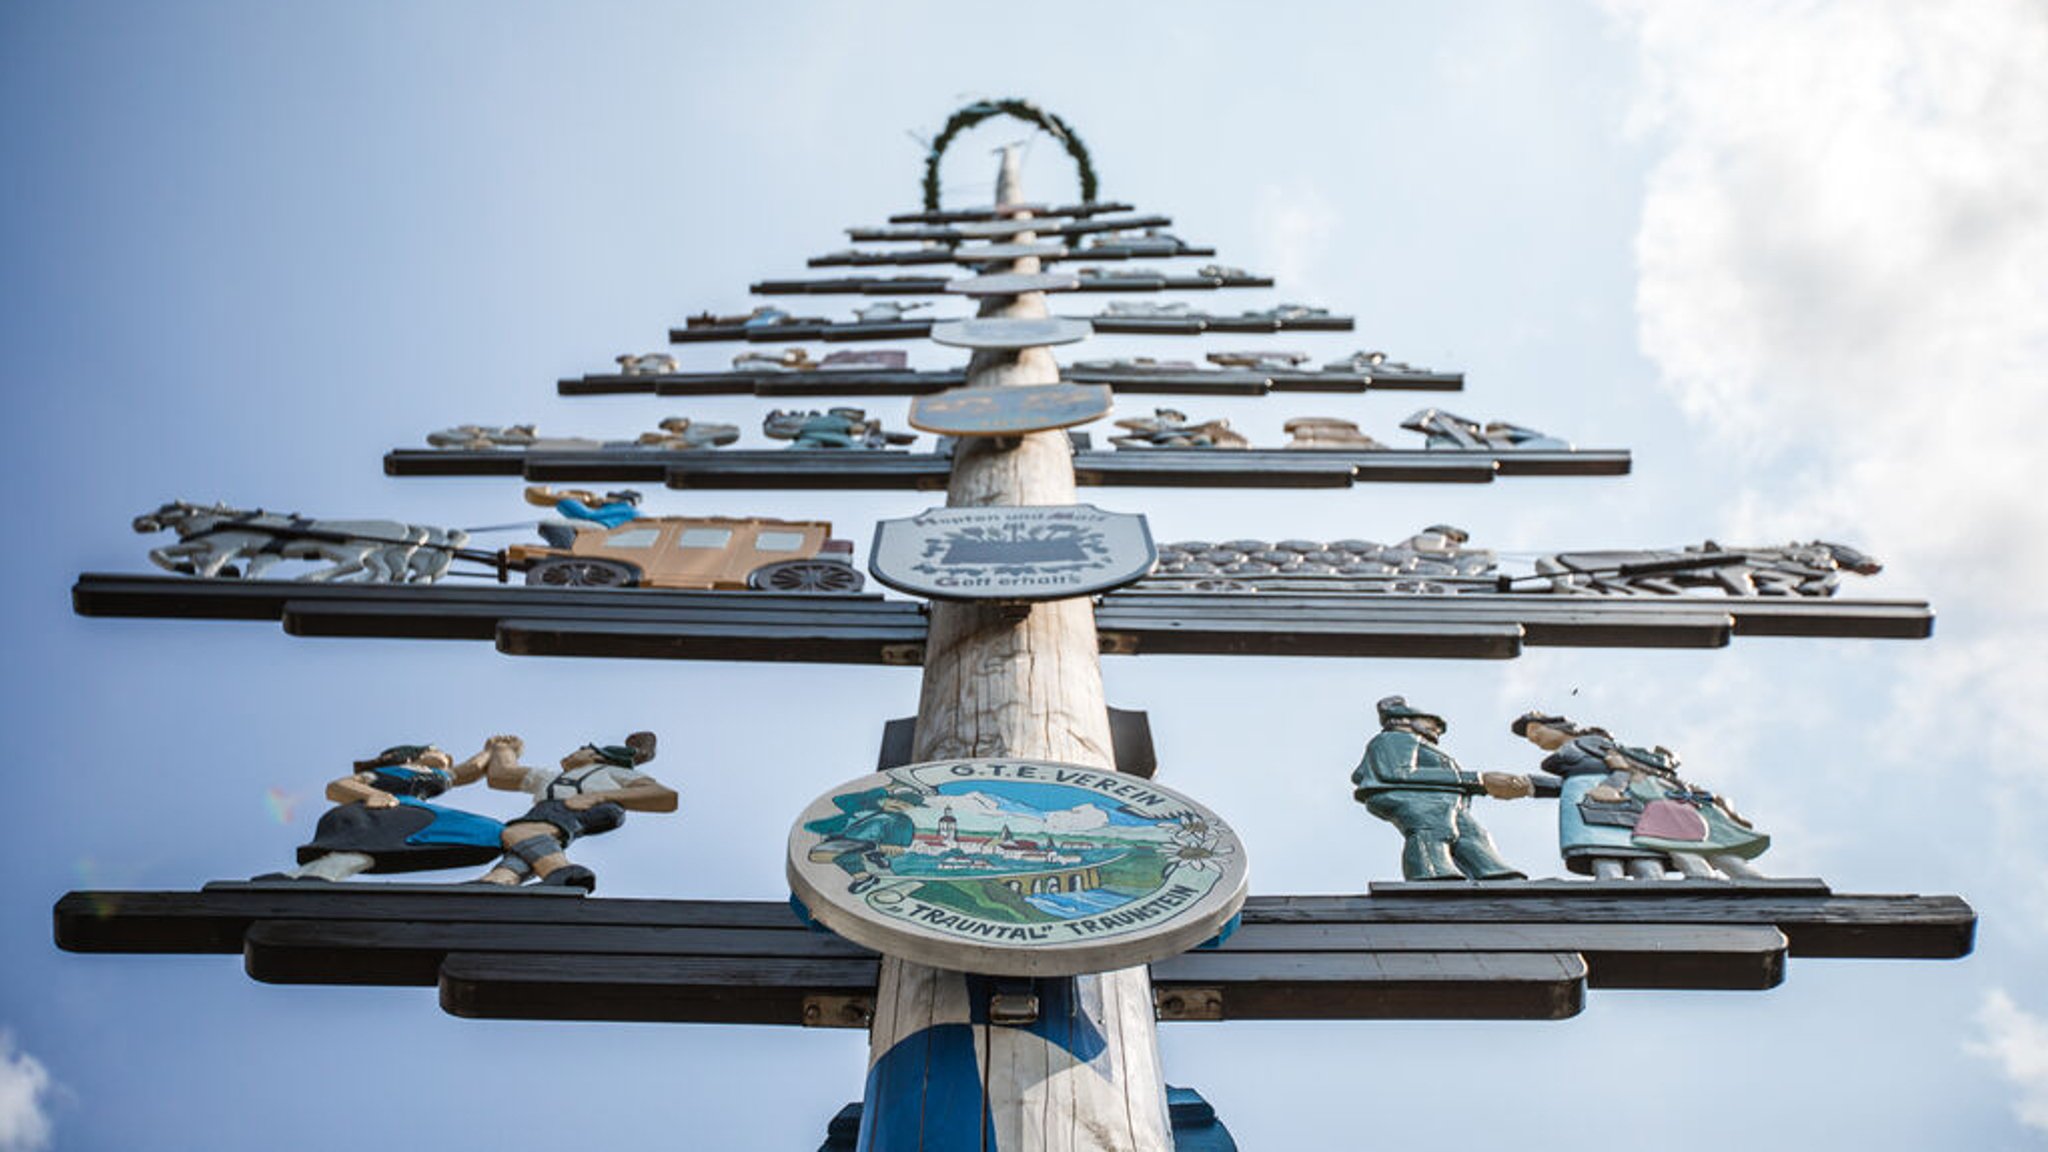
(613,547)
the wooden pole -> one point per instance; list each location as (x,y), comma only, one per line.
(1084,1076)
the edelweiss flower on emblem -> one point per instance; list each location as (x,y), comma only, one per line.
(1196,847)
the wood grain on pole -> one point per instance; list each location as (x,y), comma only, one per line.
(1028,684)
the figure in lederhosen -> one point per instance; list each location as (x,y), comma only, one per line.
(381,821)
(1406,780)
(1625,811)
(587,796)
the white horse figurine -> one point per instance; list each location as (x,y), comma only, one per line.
(221,541)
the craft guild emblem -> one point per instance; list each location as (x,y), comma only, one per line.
(1010,410)
(1012,553)
(1016,867)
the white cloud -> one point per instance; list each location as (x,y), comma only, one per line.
(1840,278)
(25,1089)
(976,808)
(2018,1041)
(1294,228)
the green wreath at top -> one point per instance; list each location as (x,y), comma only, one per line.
(1023,110)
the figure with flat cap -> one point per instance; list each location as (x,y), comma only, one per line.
(608,510)
(870,830)
(1409,782)
(588,795)
(1625,812)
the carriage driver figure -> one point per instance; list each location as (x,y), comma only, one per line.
(1406,780)
(588,795)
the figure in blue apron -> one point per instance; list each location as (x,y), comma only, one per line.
(1593,834)
(1409,782)
(1625,811)
(382,822)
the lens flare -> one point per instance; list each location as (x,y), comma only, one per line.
(281,804)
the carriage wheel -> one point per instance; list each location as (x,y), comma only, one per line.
(581,572)
(806,576)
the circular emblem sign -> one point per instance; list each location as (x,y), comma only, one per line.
(1013,283)
(1010,410)
(992,229)
(1016,867)
(984,253)
(1008,333)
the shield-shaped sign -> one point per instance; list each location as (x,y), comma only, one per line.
(1008,333)
(1016,867)
(1036,552)
(1010,410)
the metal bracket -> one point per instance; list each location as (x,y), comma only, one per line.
(1200,1003)
(839,1011)
(1012,611)
(1013,1003)
(903,655)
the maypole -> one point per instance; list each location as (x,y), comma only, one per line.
(1010,903)
(1080,1069)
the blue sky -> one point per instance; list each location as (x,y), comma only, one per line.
(1789,254)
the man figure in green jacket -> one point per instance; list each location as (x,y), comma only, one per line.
(1406,780)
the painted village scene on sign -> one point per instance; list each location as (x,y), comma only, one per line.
(1006,913)
(1064,868)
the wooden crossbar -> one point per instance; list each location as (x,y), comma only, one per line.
(1497,951)
(953,215)
(820,382)
(654,624)
(778,468)
(932,285)
(851,382)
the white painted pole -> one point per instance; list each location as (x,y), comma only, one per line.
(1085,1076)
